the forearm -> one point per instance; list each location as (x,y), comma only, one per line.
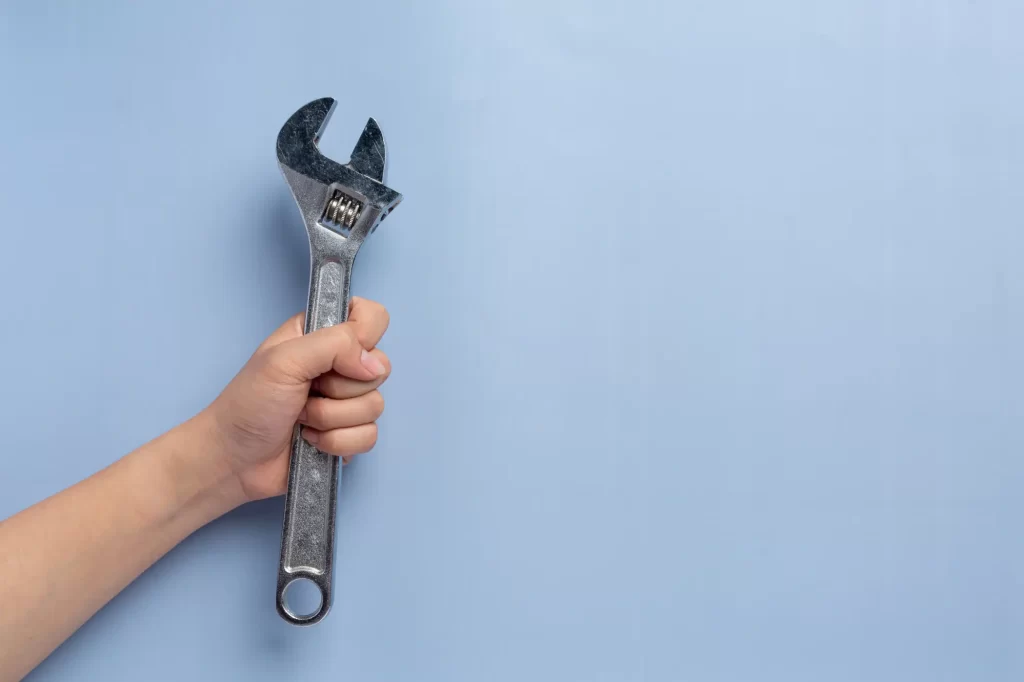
(64,558)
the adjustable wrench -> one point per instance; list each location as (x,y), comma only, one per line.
(341,205)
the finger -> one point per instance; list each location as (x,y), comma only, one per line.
(324,414)
(371,320)
(333,385)
(332,348)
(354,440)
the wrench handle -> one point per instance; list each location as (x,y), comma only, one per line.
(307,544)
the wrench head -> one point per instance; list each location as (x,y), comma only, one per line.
(350,198)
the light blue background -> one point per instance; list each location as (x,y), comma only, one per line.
(706,328)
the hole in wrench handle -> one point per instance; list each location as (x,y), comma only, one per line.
(286,581)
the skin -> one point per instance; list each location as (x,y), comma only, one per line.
(55,571)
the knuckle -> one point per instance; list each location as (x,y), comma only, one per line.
(368,438)
(371,437)
(347,338)
(376,401)
(384,315)
(272,356)
(349,441)
(373,307)
(295,324)
(333,442)
(315,411)
(374,315)
(340,335)
(327,384)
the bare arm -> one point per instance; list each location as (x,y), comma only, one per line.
(62,559)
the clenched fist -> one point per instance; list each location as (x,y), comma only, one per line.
(327,381)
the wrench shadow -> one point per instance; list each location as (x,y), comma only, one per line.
(269,637)
(269,255)
(289,245)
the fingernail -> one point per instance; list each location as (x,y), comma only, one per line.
(302,415)
(311,436)
(371,363)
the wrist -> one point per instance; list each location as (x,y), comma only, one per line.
(195,483)
(204,469)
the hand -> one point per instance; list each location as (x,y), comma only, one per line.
(255,414)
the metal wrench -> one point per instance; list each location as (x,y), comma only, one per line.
(341,205)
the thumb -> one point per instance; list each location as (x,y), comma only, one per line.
(337,348)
